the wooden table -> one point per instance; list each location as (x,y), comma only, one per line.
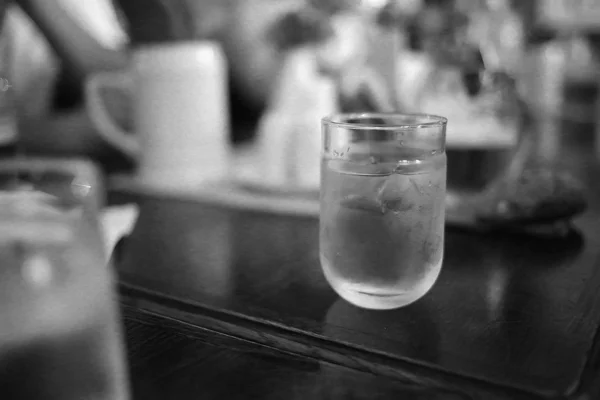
(224,303)
(169,360)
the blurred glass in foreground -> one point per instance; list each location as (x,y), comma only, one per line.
(59,332)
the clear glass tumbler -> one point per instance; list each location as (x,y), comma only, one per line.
(383,184)
(60,332)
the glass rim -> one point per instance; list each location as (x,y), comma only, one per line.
(340,120)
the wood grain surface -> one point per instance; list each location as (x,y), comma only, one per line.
(169,360)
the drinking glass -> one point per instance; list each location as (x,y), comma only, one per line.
(383,183)
(60,335)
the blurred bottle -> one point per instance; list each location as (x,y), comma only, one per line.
(8,116)
(501,33)
(560,78)
(289,132)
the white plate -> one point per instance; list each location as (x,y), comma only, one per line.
(225,194)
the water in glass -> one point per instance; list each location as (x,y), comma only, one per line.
(382,224)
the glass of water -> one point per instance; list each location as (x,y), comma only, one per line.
(383,184)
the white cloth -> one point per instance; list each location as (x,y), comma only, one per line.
(99,19)
(116,222)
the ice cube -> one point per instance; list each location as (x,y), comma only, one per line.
(363,203)
(397,205)
(392,195)
(416,186)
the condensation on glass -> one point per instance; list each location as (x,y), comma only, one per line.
(383,185)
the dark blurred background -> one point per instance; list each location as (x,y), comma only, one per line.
(57,43)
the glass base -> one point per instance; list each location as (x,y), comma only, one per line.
(367,296)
